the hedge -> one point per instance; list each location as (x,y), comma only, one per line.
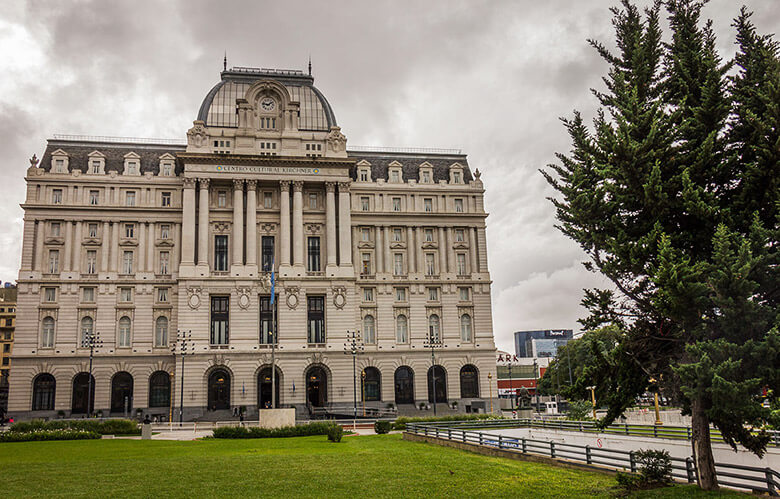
(381,427)
(106,427)
(400,423)
(40,435)
(285,431)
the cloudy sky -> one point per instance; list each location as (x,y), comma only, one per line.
(489,77)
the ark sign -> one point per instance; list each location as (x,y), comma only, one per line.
(273,170)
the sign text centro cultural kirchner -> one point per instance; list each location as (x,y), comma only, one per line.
(297,170)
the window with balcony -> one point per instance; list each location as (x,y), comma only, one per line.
(430,264)
(465,327)
(401,329)
(221,199)
(461,260)
(124,332)
(314,254)
(54,261)
(398,264)
(91,262)
(47,333)
(165,258)
(315,308)
(220,311)
(267,328)
(220,253)
(365,263)
(312,201)
(127,262)
(369,330)
(161,332)
(268,200)
(267,248)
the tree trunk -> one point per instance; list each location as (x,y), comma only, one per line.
(705,463)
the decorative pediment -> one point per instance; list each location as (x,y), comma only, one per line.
(461,245)
(395,163)
(365,244)
(398,245)
(430,245)
(425,164)
(362,162)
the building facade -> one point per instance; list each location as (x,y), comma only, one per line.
(7,325)
(541,343)
(141,244)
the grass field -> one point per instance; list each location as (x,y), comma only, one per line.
(376,466)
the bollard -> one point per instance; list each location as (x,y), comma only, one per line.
(588,455)
(552,449)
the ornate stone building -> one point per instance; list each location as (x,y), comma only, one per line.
(132,241)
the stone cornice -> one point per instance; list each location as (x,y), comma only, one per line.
(240,159)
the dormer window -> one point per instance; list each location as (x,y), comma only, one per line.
(456,177)
(364,175)
(395,176)
(426,177)
(456,173)
(132,168)
(96,163)
(94,166)
(132,164)
(59,166)
(167,169)
(59,161)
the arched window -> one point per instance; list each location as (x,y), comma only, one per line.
(160,389)
(264,386)
(401,329)
(469,382)
(122,392)
(161,332)
(433,328)
(86,330)
(404,385)
(372,380)
(43,392)
(219,390)
(465,327)
(369,331)
(437,382)
(124,331)
(83,400)
(47,333)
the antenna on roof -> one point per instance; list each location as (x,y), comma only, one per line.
(309,64)
(224,62)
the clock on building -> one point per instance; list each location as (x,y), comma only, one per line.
(267,104)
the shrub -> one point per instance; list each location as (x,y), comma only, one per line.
(382,427)
(286,431)
(400,423)
(107,427)
(335,432)
(40,435)
(579,410)
(655,470)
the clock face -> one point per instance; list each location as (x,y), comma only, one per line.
(267,104)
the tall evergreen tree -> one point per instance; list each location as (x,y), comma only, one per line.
(668,196)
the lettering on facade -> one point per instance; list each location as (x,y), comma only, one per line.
(295,170)
(507,358)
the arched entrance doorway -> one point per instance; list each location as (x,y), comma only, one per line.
(469,382)
(122,392)
(404,385)
(44,387)
(372,380)
(160,389)
(264,387)
(219,390)
(441,384)
(316,386)
(81,395)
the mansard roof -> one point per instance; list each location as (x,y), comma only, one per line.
(411,161)
(79,152)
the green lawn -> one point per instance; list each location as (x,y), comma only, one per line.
(377,466)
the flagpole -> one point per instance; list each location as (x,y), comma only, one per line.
(273,335)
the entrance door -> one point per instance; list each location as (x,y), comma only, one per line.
(122,392)
(81,394)
(441,384)
(316,386)
(219,390)
(264,387)
(404,385)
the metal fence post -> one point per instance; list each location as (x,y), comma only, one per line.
(524,448)
(449,433)
(688,432)
(500,441)
(689,470)
(655,431)
(580,426)
(632,461)
(770,482)
(552,449)
(588,455)
(626,428)
(464,435)
(480,438)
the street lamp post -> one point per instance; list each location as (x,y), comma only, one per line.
(536,384)
(490,387)
(353,346)
(433,341)
(513,396)
(185,346)
(92,341)
(363,389)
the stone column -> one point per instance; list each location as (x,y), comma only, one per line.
(345,225)
(141,247)
(297,224)
(380,254)
(284,222)
(77,248)
(451,259)
(389,259)
(176,250)
(330,222)
(104,247)
(473,249)
(40,233)
(203,221)
(68,246)
(114,247)
(238,222)
(188,223)
(151,237)
(251,222)
(442,252)
(420,253)
(411,254)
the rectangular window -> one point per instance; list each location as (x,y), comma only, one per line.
(129,231)
(165,258)
(364,175)
(368,294)
(461,258)
(221,199)
(397,235)
(56,229)
(365,234)
(165,231)
(268,200)
(59,166)
(268,253)
(94,197)
(49,295)
(162,295)
(167,169)
(127,262)
(312,201)
(220,253)
(426,177)
(88,295)
(54,261)
(396,204)
(92,230)
(465,294)
(166,199)
(315,306)
(130,198)
(459,235)
(428,235)
(314,254)
(125,295)
(400,294)
(365,259)
(428,205)
(132,168)
(220,312)
(398,264)
(394,177)
(456,177)
(266,317)
(459,205)
(56,196)
(364,204)
(430,264)
(433,294)
(91,261)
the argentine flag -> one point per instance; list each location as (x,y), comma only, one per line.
(273,281)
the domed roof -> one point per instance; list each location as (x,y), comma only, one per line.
(219,107)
